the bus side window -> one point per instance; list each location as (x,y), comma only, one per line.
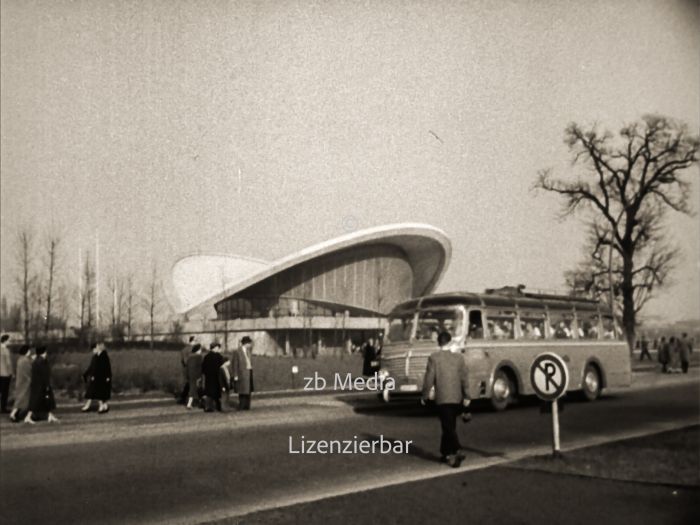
(588,326)
(476,327)
(560,325)
(532,326)
(501,326)
(610,329)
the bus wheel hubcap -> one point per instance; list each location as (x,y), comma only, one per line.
(592,381)
(501,389)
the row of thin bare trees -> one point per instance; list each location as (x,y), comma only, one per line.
(52,302)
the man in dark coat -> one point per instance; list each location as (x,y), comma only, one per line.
(98,379)
(242,372)
(210,371)
(447,373)
(664,355)
(41,399)
(370,358)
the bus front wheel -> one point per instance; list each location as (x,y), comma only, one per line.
(591,383)
(502,391)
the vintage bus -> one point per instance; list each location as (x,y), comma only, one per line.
(500,332)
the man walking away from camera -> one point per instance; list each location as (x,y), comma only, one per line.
(447,373)
(5,372)
(685,349)
(242,371)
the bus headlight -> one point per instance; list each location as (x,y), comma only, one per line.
(431,394)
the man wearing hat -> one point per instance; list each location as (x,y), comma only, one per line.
(242,371)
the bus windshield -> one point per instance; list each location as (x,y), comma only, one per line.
(400,328)
(432,322)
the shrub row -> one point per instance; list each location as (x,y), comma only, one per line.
(160,370)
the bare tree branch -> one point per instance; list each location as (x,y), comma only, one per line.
(629,184)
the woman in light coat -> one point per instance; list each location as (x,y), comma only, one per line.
(23,383)
(193,367)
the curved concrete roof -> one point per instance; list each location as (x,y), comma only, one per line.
(200,281)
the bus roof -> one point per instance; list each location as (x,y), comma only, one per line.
(503,297)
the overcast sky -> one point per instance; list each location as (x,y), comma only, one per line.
(139,119)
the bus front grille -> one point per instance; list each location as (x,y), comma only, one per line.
(397,367)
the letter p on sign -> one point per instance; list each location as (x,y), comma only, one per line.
(549,376)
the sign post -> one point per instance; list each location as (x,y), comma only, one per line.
(549,377)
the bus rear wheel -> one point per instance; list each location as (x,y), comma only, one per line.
(591,384)
(503,390)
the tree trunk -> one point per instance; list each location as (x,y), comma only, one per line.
(629,320)
(152,330)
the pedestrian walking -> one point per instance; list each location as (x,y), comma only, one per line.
(644,349)
(225,379)
(242,371)
(674,361)
(370,358)
(194,375)
(41,398)
(5,372)
(685,349)
(98,379)
(185,354)
(447,373)
(23,381)
(211,363)
(664,354)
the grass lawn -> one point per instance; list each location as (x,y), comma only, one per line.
(158,370)
(668,457)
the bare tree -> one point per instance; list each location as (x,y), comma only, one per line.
(116,290)
(26,279)
(152,302)
(52,243)
(10,316)
(625,187)
(599,275)
(63,295)
(130,303)
(87,296)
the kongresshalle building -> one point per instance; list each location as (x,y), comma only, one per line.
(323,298)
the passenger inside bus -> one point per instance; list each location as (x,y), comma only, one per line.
(531,330)
(610,329)
(562,331)
(476,329)
(501,328)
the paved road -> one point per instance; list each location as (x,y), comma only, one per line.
(165,465)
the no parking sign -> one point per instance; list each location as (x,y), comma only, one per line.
(549,377)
